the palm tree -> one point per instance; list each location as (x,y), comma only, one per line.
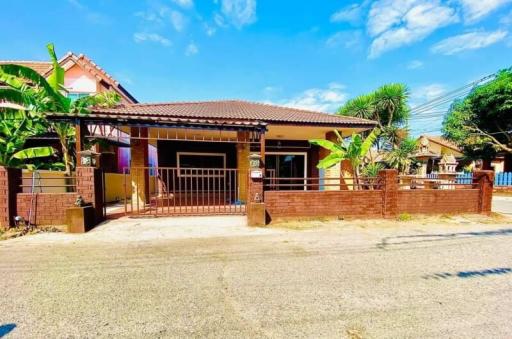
(353,150)
(401,157)
(29,89)
(387,106)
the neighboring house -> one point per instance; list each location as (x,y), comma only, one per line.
(431,149)
(83,77)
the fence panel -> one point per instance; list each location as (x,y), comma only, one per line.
(503,179)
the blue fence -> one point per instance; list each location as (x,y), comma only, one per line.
(503,179)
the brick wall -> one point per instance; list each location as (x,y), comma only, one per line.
(432,201)
(10,179)
(387,202)
(47,208)
(285,204)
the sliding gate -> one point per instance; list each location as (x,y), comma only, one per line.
(167,191)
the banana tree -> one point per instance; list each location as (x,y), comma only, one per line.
(32,91)
(13,136)
(354,150)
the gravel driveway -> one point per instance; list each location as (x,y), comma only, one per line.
(335,279)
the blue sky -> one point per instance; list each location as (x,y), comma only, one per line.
(310,54)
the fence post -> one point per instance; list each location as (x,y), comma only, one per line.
(89,185)
(485,181)
(256,213)
(10,181)
(388,179)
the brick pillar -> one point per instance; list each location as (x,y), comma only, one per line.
(138,167)
(485,182)
(242,161)
(10,181)
(256,214)
(89,185)
(389,180)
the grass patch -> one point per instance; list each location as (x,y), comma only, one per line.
(403,217)
(16,232)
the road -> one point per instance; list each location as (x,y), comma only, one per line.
(339,280)
(502,204)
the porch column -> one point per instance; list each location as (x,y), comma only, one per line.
(336,171)
(80,131)
(242,161)
(139,167)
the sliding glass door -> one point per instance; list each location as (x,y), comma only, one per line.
(288,166)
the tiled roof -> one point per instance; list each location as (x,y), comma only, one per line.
(40,67)
(44,68)
(234,110)
(442,141)
(90,66)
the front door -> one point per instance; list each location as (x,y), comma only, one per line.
(288,170)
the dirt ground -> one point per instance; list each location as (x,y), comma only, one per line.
(426,277)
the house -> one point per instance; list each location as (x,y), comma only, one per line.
(203,150)
(431,149)
(84,77)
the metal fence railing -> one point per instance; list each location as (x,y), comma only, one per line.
(321,183)
(37,182)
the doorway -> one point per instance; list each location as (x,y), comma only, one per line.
(289,170)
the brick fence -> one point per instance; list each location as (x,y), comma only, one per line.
(388,201)
(44,208)
(47,208)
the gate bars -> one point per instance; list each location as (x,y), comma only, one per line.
(162,191)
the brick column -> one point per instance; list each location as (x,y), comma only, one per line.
(256,214)
(139,162)
(242,164)
(389,180)
(10,181)
(89,185)
(485,182)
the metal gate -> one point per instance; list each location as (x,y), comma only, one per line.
(164,191)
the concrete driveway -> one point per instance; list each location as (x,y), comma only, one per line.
(335,279)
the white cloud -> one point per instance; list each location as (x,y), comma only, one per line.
(319,99)
(239,12)
(178,20)
(152,37)
(345,39)
(475,10)
(192,49)
(415,64)
(184,3)
(506,19)
(402,22)
(468,41)
(427,92)
(352,14)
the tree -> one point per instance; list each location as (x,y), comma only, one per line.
(401,157)
(354,150)
(29,89)
(14,133)
(481,123)
(387,106)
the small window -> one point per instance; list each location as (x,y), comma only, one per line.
(187,161)
(75,95)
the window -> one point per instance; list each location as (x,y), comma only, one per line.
(76,95)
(191,160)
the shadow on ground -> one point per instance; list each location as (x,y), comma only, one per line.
(6,329)
(469,274)
(421,238)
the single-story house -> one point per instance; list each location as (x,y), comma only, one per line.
(203,149)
